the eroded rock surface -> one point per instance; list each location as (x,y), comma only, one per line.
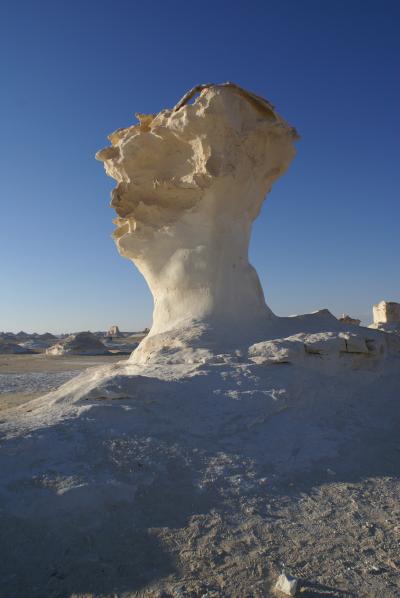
(114,331)
(191,180)
(83,343)
(387,317)
(386,312)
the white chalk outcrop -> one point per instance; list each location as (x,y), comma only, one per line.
(113,331)
(386,312)
(83,343)
(191,181)
(386,317)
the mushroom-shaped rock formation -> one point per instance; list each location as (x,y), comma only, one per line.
(191,181)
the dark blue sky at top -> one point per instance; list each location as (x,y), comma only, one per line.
(72,72)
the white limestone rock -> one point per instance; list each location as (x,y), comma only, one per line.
(287,584)
(114,331)
(299,348)
(355,343)
(282,350)
(324,343)
(83,343)
(191,180)
(386,312)
(387,318)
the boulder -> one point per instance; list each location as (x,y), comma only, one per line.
(286,584)
(83,343)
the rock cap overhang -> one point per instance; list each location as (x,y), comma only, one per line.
(262,105)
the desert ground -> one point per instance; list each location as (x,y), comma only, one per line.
(25,377)
(334,524)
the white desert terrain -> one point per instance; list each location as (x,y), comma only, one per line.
(233,442)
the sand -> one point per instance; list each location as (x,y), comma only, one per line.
(201,488)
(26,377)
(200,479)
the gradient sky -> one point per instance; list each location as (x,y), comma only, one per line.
(72,72)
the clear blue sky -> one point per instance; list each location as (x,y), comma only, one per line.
(72,72)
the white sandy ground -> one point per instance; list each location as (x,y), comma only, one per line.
(170,480)
(34,382)
(25,377)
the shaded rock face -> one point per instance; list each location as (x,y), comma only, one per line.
(345,319)
(83,343)
(8,348)
(8,336)
(37,343)
(47,336)
(21,335)
(191,181)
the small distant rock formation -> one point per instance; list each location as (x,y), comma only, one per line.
(386,312)
(83,343)
(346,319)
(47,336)
(386,316)
(7,348)
(114,331)
(21,335)
(38,344)
(7,336)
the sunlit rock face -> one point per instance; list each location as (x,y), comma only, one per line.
(386,316)
(191,181)
(386,312)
